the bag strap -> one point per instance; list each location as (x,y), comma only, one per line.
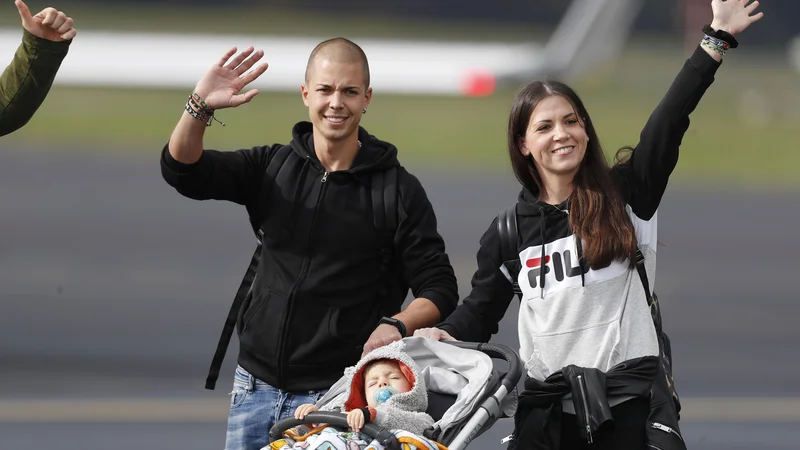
(230,321)
(384,199)
(272,170)
(383,188)
(643,276)
(664,345)
(509,236)
(652,301)
(508,231)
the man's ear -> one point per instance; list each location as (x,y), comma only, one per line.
(368,96)
(304,93)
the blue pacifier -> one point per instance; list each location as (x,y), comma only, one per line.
(383,394)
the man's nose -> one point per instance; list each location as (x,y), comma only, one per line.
(336,100)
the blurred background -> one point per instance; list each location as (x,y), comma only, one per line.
(114,289)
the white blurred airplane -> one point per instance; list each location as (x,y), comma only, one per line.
(590,32)
(794,53)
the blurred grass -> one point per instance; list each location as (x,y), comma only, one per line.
(743,131)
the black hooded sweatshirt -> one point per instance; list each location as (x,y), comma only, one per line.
(319,291)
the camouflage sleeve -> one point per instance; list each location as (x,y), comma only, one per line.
(25,83)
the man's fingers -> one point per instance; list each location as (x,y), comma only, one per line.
(370,346)
(234,63)
(385,341)
(249,77)
(226,57)
(48,15)
(69,34)
(58,20)
(68,22)
(381,338)
(248,63)
(24,12)
(243,98)
(367,348)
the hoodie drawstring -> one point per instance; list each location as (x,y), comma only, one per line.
(579,251)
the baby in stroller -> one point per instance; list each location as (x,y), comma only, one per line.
(386,387)
(416,393)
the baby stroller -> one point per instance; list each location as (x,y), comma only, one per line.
(467,394)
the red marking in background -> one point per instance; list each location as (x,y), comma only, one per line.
(478,83)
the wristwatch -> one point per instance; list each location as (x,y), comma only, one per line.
(392,321)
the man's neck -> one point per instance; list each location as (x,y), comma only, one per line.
(336,155)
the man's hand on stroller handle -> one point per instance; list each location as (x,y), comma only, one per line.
(436,334)
(384,334)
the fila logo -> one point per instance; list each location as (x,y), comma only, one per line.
(562,263)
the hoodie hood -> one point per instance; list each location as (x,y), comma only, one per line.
(530,205)
(357,398)
(373,156)
(403,411)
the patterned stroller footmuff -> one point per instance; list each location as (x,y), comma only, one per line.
(329,438)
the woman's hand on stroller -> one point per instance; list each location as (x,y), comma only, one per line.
(437,334)
(355,419)
(303,410)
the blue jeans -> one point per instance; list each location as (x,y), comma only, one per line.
(256,407)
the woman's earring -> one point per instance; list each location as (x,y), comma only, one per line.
(364,111)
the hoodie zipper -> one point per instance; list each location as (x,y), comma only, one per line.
(300,279)
(666,429)
(582,386)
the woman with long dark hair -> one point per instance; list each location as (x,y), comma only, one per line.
(592,350)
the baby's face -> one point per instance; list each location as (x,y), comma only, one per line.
(383,374)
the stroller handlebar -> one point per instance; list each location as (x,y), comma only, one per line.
(499,351)
(384,437)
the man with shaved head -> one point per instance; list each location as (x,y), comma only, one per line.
(343,229)
(340,49)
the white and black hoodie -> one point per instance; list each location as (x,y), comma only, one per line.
(589,318)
